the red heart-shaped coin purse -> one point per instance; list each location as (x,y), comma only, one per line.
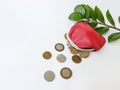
(83,37)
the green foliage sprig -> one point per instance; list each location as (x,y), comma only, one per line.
(94,16)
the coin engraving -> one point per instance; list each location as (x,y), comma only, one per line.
(59,47)
(84,54)
(73,50)
(66,73)
(49,76)
(47,55)
(61,58)
(76,59)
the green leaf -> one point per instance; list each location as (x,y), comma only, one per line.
(92,13)
(80,9)
(87,11)
(75,16)
(110,18)
(99,15)
(114,37)
(93,24)
(119,19)
(102,30)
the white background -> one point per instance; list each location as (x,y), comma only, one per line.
(30,27)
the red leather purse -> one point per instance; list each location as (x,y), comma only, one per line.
(83,37)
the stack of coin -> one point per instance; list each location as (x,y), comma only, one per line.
(77,54)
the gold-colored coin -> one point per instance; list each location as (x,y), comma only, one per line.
(65,36)
(73,50)
(59,47)
(66,73)
(84,54)
(76,59)
(47,55)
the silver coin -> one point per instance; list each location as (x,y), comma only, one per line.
(49,76)
(61,58)
(68,44)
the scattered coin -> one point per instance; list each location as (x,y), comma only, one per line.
(59,47)
(66,73)
(84,54)
(65,35)
(49,76)
(76,59)
(73,50)
(47,55)
(68,44)
(61,58)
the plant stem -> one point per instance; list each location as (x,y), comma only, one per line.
(105,25)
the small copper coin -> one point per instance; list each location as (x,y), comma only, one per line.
(59,47)
(65,36)
(73,50)
(49,76)
(47,55)
(76,59)
(61,58)
(84,54)
(66,73)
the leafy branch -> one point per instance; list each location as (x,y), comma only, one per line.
(95,17)
(106,25)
